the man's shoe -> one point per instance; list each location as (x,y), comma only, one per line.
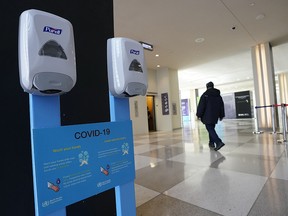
(211,145)
(219,146)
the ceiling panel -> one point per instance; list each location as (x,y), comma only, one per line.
(229,27)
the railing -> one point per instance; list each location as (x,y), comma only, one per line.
(284,119)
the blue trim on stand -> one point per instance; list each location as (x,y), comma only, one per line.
(44,113)
(119,109)
(125,194)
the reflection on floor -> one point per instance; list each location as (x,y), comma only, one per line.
(177,174)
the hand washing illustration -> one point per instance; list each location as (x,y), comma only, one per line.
(105,171)
(83,158)
(125,148)
(54,187)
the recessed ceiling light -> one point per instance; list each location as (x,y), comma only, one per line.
(260,17)
(157,55)
(199,40)
(158,66)
(252,4)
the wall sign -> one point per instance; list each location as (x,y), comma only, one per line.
(75,162)
(185,107)
(174,108)
(165,104)
(243,104)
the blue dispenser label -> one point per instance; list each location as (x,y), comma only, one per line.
(72,163)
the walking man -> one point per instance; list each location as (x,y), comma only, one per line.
(209,110)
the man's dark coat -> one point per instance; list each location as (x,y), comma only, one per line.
(210,107)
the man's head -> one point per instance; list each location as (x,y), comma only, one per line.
(210,85)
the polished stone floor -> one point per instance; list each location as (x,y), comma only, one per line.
(178,175)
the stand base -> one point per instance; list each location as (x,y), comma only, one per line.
(258,132)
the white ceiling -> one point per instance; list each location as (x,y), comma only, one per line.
(230,28)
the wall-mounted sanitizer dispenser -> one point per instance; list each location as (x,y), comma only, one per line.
(127,74)
(46,53)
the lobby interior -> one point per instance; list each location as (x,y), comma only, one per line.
(178,174)
(176,171)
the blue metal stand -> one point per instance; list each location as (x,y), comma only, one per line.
(125,194)
(44,113)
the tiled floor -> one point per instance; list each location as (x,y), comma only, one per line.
(178,175)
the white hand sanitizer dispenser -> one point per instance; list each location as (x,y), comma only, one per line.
(127,74)
(46,53)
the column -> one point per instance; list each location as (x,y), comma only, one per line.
(283,87)
(264,82)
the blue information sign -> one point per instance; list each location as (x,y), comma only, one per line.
(72,163)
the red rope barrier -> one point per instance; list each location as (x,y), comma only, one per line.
(273,105)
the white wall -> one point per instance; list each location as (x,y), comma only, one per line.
(152,84)
(138,114)
(163,122)
(161,81)
(167,82)
(175,98)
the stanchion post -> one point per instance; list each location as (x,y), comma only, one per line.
(256,122)
(273,118)
(285,122)
(283,109)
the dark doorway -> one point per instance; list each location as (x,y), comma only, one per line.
(151,112)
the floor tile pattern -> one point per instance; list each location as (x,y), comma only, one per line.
(178,174)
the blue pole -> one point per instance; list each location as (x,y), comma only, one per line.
(125,194)
(44,113)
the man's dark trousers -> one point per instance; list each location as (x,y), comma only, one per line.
(213,137)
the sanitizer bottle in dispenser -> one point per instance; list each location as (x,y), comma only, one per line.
(127,74)
(47,60)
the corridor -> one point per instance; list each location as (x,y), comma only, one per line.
(178,175)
